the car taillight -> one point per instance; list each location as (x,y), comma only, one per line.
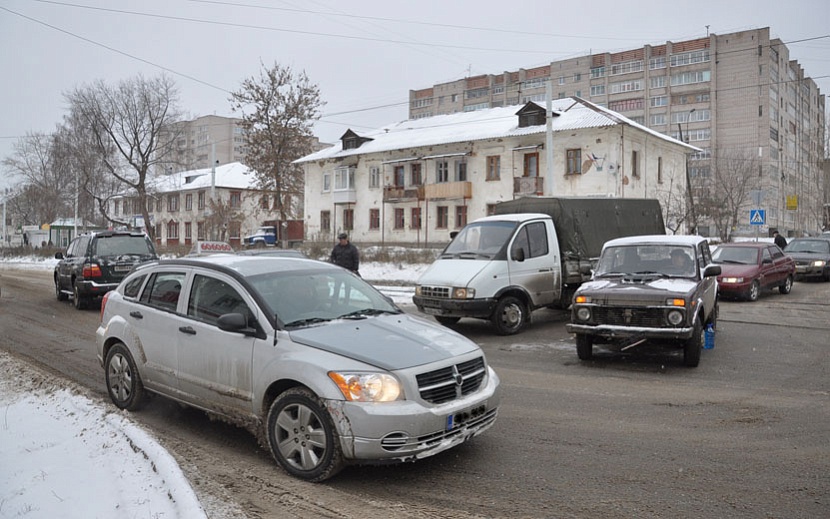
(103,305)
(91,270)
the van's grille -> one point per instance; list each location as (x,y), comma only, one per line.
(438,292)
(452,382)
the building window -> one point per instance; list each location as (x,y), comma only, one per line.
(374,219)
(658,101)
(348,219)
(234,230)
(188,231)
(626,105)
(344,179)
(201,201)
(561,80)
(597,90)
(399,218)
(460,216)
(687,78)
(577,77)
(200,230)
(627,86)
(236,199)
(689,58)
(627,67)
(493,167)
(531,165)
(658,81)
(461,170)
(415,218)
(574,157)
(117,206)
(398,179)
(659,170)
(188,202)
(326,182)
(172,203)
(263,202)
(442,171)
(325,221)
(415,174)
(598,72)
(442,217)
(374,176)
(658,120)
(635,164)
(657,62)
(173,230)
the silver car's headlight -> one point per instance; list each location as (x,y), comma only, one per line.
(367,387)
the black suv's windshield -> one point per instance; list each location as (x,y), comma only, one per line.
(814,246)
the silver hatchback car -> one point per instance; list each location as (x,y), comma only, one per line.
(317,363)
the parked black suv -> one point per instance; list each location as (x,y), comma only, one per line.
(96,263)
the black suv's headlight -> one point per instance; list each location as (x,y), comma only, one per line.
(675,317)
(583,313)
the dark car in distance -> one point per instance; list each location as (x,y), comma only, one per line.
(748,268)
(812,257)
(96,263)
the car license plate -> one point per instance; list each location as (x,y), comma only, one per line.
(462,417)
(123,268)
(800,269)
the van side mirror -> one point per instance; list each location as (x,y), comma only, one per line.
(518,254)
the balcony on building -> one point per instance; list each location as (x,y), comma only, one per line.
(344,196)
(449,190)
(528,185)
(401,194)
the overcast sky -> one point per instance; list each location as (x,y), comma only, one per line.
(365,55)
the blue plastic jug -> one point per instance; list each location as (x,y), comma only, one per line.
(709,337)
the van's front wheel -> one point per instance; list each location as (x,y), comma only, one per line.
(509,316)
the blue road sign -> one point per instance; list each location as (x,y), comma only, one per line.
(757,216)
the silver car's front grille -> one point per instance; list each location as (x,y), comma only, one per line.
(452,382)
(402,443)
(436,292)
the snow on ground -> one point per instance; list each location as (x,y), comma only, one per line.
(65,455)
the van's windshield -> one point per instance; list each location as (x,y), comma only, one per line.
(480,240)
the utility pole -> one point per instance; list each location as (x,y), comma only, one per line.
(549,137)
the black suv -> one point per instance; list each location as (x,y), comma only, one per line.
(96,263)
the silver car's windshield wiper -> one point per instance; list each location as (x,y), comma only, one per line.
(306,322)
(366,312)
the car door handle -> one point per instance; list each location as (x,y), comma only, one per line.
(136,314)
(187,329)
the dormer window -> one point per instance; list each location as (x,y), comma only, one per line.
(532,114)
(352,141)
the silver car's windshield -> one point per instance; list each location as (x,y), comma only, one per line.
(660,260)
(304,298)
(480,240)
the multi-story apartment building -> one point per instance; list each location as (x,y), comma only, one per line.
(739,97)
(203,138)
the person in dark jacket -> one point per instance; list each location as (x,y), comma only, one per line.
(345,254)
(779,240)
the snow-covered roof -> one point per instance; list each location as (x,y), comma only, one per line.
(234,175)
(570,113)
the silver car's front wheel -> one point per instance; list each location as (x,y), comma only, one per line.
(302,436)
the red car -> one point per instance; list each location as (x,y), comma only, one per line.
(747,268)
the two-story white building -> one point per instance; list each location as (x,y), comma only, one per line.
(181,210)
(413,182)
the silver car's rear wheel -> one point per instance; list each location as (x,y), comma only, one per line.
(123,381)
(302,436)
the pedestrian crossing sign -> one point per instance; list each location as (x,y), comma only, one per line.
(757,216)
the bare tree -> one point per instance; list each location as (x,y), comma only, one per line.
(128,118)
(735,175)
(47,196)
(676,209)
(278,110)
